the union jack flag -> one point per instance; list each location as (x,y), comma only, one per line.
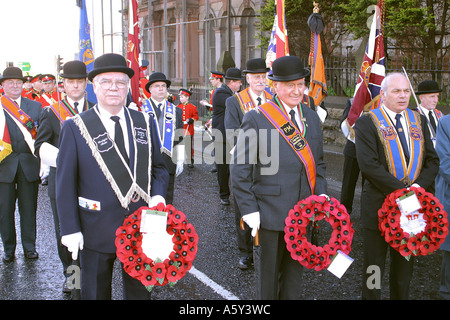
(372,73)
(278,44)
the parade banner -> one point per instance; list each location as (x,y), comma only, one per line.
(133,49)
(278,44)
(86,53)
(372,72)
(318,82)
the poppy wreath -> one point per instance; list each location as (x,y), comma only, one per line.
(157,273)
(410,244)
(313,209)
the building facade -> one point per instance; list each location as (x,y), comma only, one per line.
(186,39)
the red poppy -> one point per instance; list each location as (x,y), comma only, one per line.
(423,243)
(312,209)
(139,266)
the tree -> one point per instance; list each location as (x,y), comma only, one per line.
(299,34)
(414,27)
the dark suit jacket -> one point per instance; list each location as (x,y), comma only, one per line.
(233,119)
(79,175)
(21,152)
(220,96)
(273,194)
(378,182)
(49,129)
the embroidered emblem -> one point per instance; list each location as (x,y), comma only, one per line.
(103,142)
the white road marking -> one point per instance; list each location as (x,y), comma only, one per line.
(213,285)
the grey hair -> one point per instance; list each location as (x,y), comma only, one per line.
(387,78)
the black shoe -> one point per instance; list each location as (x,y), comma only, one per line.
(245,263)
(66,287)
(225,202)
(31,254)
(8,257)
(213,170)
(190,165)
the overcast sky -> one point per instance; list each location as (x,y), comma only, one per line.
(37,31)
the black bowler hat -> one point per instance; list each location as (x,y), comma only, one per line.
(288,68)
(428,86)
(74,70)
(233,74)
(256,65)
(155,77)
(110,62)
(11,73)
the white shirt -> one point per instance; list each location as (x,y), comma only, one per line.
(405,126)
(255,97)
(297,114)
(80,104)
(109,124)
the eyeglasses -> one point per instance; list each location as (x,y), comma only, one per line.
(107,84)
(17,83)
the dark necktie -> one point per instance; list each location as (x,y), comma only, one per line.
(401,135)
(259,101)
(75,104)
(158,111)
(433,123)
(292,113)
(118,137)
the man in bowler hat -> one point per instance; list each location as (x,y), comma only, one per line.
(265,192)
(236,106)
(428,92)
(47,141)
(169,124)
(19,171)
(232,84)
(108,166)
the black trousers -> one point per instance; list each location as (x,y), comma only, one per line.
(223,169)
(244,237)
(444,289)
(278,276)
(349,180)
(26,194)
(400,273)
(96,278)
(64,255)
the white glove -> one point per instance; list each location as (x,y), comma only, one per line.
(179,169)
(44,171)
(155,200)
(253,221)
(180,159)
(73,242)
(324,195)
(48,154)
(415,185)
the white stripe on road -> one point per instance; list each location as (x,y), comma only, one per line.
(210,283)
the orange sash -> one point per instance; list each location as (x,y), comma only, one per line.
(63,110)
(293,137)
(18,114)
(246,102)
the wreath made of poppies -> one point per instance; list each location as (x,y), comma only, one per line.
(312,210)
(411,244)
(157,273)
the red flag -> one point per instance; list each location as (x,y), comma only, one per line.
(133,49)
(367,91)
(5,140)
(278,44)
